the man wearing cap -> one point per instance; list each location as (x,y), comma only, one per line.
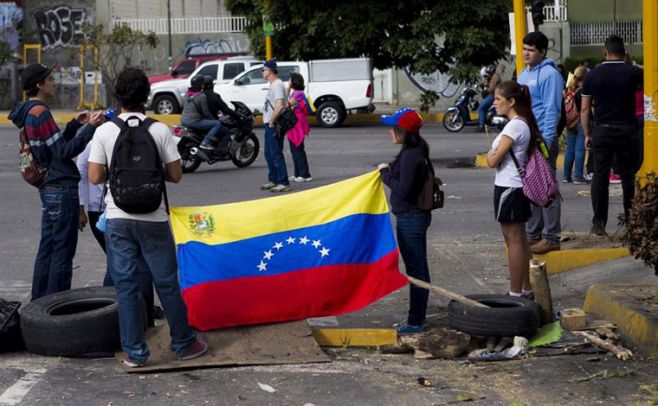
(275,104)
(54,150)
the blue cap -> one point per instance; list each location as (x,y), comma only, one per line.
(406,118)
(270,64)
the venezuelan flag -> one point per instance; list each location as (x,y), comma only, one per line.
(324,251)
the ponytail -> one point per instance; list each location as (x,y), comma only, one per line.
(523,107)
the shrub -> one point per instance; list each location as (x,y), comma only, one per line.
(428,100)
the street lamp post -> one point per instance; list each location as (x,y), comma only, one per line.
(169,33)
(519,32)
(650,40)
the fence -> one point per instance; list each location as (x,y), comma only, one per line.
(201,25)
(596,32)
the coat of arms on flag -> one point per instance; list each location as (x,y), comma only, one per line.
(320,252)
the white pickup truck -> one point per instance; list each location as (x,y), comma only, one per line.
(167,96)
(335,86)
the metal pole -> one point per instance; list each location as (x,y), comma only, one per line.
(519,32)
(650,34)
(268,38)
(171,62)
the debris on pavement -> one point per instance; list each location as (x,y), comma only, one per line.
(438,342)
(266,387)
(424,381)
(620,352)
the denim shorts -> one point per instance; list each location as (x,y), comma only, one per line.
(511,205)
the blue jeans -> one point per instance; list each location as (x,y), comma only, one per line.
(53,267)
(127,241)
(212,126)
(575,152)
(276,163)
(411,231)
(145,281)
(299,160)
(486,104)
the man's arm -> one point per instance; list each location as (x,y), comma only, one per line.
(96,173)
(551,93)
(173,171)
(585,106)
(278,109)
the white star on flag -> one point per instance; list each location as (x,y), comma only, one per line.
(268,254)
(324,252)
(262,266)
(290,240)
(304,240)
(278,245)
(316,243)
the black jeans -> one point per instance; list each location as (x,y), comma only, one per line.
(621,143)
(299,160)
(412,239)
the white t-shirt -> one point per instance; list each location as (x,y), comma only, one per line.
(276,91)
(102,146)
(506,173)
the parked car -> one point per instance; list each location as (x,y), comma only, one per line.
(183,67)
(167,97)
(335,86)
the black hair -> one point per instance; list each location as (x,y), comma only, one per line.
(33,91)
(411,140)
(510,89)
(132,89)
(296,81)
(614,45)
(536,39)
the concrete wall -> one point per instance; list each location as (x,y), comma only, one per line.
(604,10)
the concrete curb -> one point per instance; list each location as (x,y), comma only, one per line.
(638,322)
(565,260)
(174,119)
(355,337)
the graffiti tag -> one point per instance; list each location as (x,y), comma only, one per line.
(60,27)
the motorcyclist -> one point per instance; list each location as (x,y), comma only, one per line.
(491,80)
(216,104)
(196,84)
(200,113)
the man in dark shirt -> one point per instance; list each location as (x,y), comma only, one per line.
(610,88)
(216,104)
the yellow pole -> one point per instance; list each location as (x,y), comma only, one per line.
(650,38)
(82,77)
(519,32)
(268,47)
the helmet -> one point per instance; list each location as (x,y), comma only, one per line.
(487,70)
(196,81)
(208,82)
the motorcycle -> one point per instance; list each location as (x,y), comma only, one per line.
(243,148)
(459,115)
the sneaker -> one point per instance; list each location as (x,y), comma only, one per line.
(207,147)
(479,129)
(297,179)
(131,363)
(566,180)
(280,188)
(268,186)
(544,246)
(614,179)
(404,329)
(588,177)
(194,350)
(580,181)
(529,296)
(308,179)
(598,229)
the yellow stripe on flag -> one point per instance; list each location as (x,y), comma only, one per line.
(225,223)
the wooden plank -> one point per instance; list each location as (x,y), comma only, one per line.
(355,337)
(445,292)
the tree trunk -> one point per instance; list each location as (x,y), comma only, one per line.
(541,289)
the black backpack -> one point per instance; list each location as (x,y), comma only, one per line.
(136,175)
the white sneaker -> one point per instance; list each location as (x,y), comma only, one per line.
(308,179)
(297,179)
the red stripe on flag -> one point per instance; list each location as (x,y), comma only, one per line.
(313,292)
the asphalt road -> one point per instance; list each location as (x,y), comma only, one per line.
(466,256)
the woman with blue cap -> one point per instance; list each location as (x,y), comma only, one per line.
(405,176)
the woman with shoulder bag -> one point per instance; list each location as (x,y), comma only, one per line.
(406,176)
(511,206)
(297,134)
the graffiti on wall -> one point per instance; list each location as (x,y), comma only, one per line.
(438,82)
(219,46)
(10,17)
(60,26)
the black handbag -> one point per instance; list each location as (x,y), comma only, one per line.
(431,196)
(286,120)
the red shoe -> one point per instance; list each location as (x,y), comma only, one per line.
(196,349)
(614,178)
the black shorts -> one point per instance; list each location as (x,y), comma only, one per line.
(511,205)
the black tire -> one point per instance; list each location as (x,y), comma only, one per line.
(507,317)
(330,114)
(453,121)
(73,323)
(165,104)
(188,161)
(247,153)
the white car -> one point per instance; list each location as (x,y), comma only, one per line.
(167,97)
(335,86)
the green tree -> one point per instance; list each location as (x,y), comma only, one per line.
(392,33)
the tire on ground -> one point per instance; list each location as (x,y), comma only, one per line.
(79,322)
(507,316)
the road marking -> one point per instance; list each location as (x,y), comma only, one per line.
(15,393)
